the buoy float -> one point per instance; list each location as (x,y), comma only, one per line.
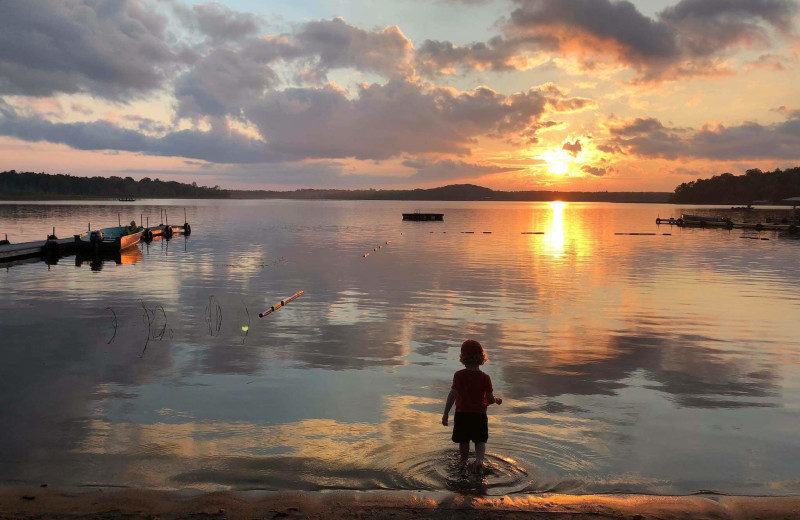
(280,304)
(366,255)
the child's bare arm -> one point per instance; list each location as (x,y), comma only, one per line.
(491,399)
(451,398)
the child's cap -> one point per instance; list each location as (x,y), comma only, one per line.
(471,347)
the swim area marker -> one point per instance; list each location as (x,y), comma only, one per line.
(280,304)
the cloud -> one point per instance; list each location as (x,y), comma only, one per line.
(448,169)
(573,148)
(443,57)
(749,140)
(399,117)
(220,145)
(226,77)
(109,49)
(216,21)
(687,39)
(222,81)
(380,122)
(593,170)
(336,44)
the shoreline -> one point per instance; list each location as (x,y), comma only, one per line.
(21,503)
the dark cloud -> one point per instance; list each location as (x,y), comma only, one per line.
(216,21)
(594,170)
(749,140)
(384,121)
(225,79)
(573,148)
(217,145)
(380,122)
(336,44)
(441,57)
(684,40)
(638,36)
(447,169)
(111,49)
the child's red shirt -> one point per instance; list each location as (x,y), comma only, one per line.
(472,387)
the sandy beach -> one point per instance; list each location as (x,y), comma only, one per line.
(29,503)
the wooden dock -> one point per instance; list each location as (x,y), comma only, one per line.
(54,248)
(165,231)
(41,248)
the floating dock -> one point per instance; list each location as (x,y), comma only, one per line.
(53,248)
(424,217)
(42,248)
(729,224)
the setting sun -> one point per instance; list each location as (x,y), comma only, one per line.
(558,162)
(559,168)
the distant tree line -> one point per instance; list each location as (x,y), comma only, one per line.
(727,188)
(32,186)
(29,185)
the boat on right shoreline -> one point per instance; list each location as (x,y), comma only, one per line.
(689,218)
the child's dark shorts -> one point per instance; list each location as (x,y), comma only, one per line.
(470,426)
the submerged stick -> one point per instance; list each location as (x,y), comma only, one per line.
(280,304)
(114,324)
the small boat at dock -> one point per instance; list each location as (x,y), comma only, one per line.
(108,239)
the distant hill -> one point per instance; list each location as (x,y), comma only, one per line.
(727,188)
(42,186)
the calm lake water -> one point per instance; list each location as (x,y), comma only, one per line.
(658,364)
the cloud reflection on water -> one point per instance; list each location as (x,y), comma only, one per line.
(604,352)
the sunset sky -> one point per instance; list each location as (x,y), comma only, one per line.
(510,94)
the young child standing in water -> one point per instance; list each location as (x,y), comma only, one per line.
(472,393)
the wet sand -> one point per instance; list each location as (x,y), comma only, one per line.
(30,503)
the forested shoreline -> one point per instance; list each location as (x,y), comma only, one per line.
(42,186)
(754,186)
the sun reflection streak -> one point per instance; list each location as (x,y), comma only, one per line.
(555,237)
